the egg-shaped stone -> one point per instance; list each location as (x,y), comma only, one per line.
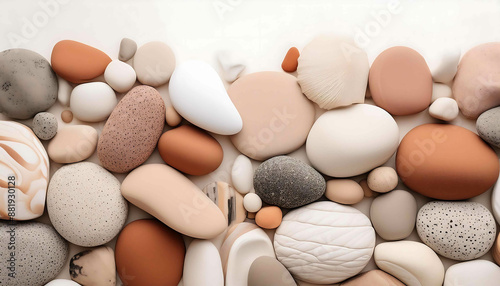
(393,214)
(457,230)
(446,162)
(149,253)
(73,143)
(154,63)
(242,174)
(85,205)
(382,179)
(344,191)
(324,242)
(413,263)
(33,253)
(445,109)
(93,101)
(172,198)
(94,267)
(128,47)
(190,150)
(136,124)
(284,114)
(198,95)
(120,76)
(488,126)
(352,140)
(288,182)
(77,62)
(267,270)
(269,217)
(202,265)
(472,273)
(252,202)
(400,81)
(29,85)
(24,174)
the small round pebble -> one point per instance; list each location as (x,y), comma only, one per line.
(252,202)
(344,191)
(62,282)
(445,109)
(85,204)
(488,126)
(128,47)
(120,76)
(382,179)
(40,253)
(45,125)
(269,217)
(67,116)
(366,189)
(173,118)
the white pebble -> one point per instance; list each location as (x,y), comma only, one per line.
(242,174)
(232,67)
(63,91)
(93,101)
(62,282)
(120,76)
(440,90)
(252,202)
(445,69)
(382,179)
(444,109)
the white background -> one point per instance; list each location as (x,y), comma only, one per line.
(260,32)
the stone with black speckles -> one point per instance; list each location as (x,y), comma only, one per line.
(288,182)
(456,230)
(132,130)
(488,126)
(39,252)
(85,204)
(94,267)
(28,84)
(45,125)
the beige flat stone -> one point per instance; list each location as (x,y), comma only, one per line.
(73,144)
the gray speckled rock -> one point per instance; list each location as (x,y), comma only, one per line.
(128,47)
(457,230)
(85,204)
(288,182)
(94,267)
(39,252)
(488,126)
(45,125)
(28,84)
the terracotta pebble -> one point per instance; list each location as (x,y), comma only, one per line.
(67,116)
(269,217)
(344,191)
(290,62)
(77,62)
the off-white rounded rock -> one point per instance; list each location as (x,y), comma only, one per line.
(202,265)
(444,70)
(444,109)
(252,202)
(382,179)
(440,90)
(473,273)
(63,91)
(62,282)
(242,174)
(120,76)
(93,101)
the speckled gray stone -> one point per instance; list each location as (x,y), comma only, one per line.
(288,182)
(45,125)
(40,253)
(85,204)
(128,47)
(488,126)
(457,230)
(28,84)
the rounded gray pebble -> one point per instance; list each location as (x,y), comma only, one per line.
(128,47)
(28,84)
(488,126)
(45,125)
(457,230)
(40,253)
(288,182)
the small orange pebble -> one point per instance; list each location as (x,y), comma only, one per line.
(269,217)
(290,62)
(67,116)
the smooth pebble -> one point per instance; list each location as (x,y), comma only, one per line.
(154,63)
(73,143)
(242,174)
(269,217)
(488,126)
(172,117)
(120,76)
(373,278)
(445,69)
(440,90)
(267,270)
(232,66)
(445,109)
(382,179)
(252,202)
(344,191)
(93,101)
(94,267)
(202,265)
(128,47)
(62,282)
(63,91)
(67,116)
(290,62)
(472,273)
(45,125)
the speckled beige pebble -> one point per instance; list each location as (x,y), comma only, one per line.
(344,191)
(135,124)
(382,179)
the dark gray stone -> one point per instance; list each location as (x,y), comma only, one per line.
(488,126)
(288,182)
(28,84)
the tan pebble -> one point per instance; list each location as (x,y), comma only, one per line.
(251,215)
(373,278)
(366,189)
(495,250)
(73,143)
(269,217)
(382,179)
(344,191)
(173,118)
(67,116)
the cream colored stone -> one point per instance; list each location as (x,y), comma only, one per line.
(72,144)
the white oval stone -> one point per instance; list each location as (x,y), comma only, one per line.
(324,242)
(202,265)
(473,273)
(198,95)
(93,101)
(413,263)
(440,90)
(353,140)
(242,174)
(445,69)
(120,76)
(62,282)
(444,109)
(252,202)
